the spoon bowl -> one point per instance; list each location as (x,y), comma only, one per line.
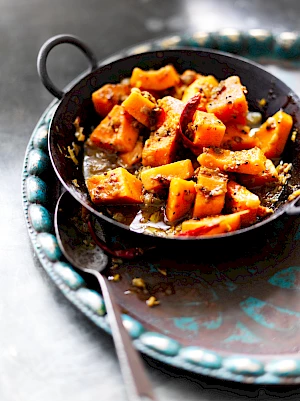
(74,237)
(78,246)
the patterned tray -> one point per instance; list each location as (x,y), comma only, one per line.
(236,319)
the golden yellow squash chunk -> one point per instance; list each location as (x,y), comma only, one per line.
(274,133)
(160,177)
(117,186)
(158,80)
(210,192)
(239,198)
(140,107)
(180,199)
(204,85)
(117,132)
(207,129)
(250,161)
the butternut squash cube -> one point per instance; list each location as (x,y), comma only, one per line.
(239,198)
(160,177)
(109,95)
(210,192)
(134,156)
(139,106)
(117,186)
(211,225)
(161,146)
(159,151)
(237,138)
(274,133)
(228,101)
(207,129)
(250,161)
(204,85)
(180,198)
(117,132)
(158,80)
(172,109)
(270,174)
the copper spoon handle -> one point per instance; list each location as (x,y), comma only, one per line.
(136,382)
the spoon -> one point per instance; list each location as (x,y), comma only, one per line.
(74,236)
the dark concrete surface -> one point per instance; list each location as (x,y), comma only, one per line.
(48,350)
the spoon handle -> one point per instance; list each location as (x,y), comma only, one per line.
(136,381)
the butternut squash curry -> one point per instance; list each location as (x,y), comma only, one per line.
(181,155)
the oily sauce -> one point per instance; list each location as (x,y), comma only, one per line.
(148,217)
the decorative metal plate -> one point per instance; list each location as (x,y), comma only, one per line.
(237,319)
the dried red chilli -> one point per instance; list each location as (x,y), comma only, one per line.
(185,118)
(130,253)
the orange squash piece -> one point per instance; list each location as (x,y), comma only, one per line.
(139,105)
(159,150)
(211,225)
(250,161)
(161,146)
(117,131)
(117,186)
(157,80)
(134,156)
(239,198)
(160,177)
(207,129)
(204,85)
(274,133)
(270,174)
(228,101)
(109,95)
(237,138)
(210,192)
(180,198)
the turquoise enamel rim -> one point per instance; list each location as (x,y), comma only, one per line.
(35,186)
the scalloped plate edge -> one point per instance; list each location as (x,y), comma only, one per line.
(239,368)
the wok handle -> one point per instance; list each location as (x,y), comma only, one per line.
(136,381)
(293,209)
(44,52)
